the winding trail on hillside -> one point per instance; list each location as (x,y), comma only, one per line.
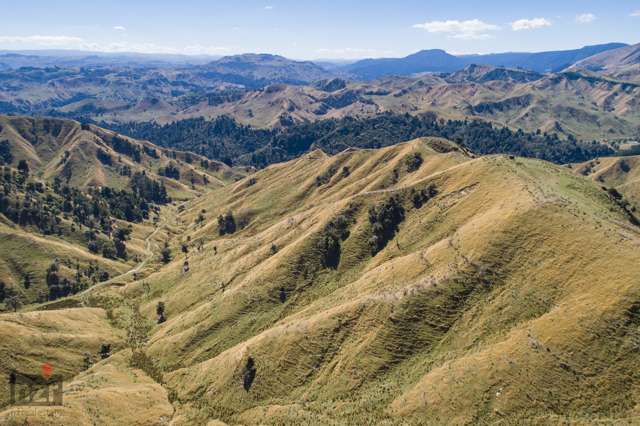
(148,243)
(147,247)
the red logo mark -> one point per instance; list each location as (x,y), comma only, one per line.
(47,369)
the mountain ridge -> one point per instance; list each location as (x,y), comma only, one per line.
(440,61)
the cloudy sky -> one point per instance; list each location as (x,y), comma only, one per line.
(316,29)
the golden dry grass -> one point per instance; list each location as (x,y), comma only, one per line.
(510,297)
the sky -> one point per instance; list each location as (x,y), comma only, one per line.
(303,29)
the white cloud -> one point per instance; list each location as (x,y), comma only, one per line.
(585,18)
(530,24)
(635,13)
(472,29)
(268,8)
(119,28)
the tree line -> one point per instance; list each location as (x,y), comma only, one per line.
(224,139)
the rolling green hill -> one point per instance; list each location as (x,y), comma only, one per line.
(413,284)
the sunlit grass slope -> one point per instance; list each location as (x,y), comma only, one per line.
(373,288)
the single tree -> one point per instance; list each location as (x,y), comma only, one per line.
(160,312)
(11,299)
(166,253)
(105,351)
(23,168)
(249,374)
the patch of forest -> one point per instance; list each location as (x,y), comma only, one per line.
(224,139)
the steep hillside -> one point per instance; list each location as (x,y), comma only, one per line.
(80,204)
(408,285)
(620,173)
(622,63)
(89,156)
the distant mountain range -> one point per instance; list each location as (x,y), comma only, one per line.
(439,61)
(591,93)
(266,68)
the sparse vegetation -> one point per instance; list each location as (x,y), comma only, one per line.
(6,157)
(160,312)
(482,268)
(105,351)
(170,171)
(420,196)
(326,176)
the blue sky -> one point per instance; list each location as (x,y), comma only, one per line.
(305,29)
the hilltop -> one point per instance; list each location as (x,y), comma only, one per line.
(620,173)
(415,283)
(263,69)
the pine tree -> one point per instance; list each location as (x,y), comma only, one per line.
(23,168)
(166,253)
(160,312)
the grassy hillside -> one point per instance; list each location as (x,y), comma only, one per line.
(414,284)
(622,63)
(89,156)
(80,204)
(620,173)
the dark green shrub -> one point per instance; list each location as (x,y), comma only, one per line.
(413,162)
(384,219)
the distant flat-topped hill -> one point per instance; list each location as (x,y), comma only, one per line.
(265,68)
